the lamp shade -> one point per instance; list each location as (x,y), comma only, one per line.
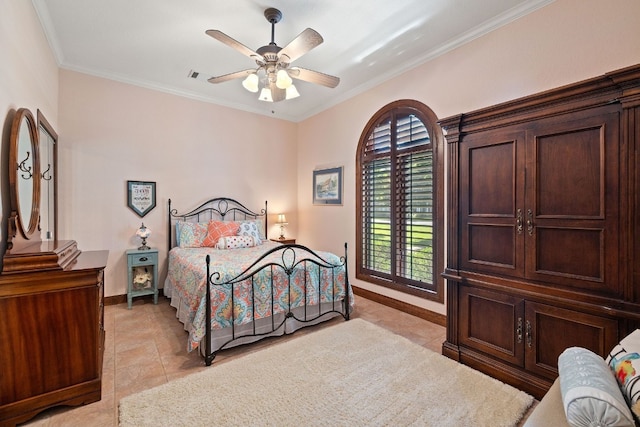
(292,92)
(283,80)
(143,232)
(265,95)
(251,82)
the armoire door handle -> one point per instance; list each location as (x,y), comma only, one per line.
(519,330)
(519,221)
(529,338)
(530,222)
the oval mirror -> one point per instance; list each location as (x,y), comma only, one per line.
(24,160)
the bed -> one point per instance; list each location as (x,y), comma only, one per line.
(257,288)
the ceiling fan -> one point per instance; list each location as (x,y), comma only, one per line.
(274,69)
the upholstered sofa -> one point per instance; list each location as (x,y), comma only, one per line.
(550,410)
(593,391)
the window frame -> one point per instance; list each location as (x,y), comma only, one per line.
(435,291)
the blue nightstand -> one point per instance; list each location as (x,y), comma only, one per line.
(142,272)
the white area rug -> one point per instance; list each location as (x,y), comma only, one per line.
(351,374)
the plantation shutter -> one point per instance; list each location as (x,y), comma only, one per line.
(376,201)
(414,202)
(397,201)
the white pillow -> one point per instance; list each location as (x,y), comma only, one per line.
(590,393)
(235,242)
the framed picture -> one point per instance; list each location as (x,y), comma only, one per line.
(141,196)
(327,186)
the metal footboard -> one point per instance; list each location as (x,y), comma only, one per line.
(287,260)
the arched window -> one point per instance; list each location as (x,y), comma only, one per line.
(399,193)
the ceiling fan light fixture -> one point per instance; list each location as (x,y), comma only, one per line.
(265,95)
(273,77)
(251,83)
(283,81)
(292,92)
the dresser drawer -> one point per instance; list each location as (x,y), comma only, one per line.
(150,258)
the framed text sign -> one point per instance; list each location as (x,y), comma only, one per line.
(141,196)
(327,186)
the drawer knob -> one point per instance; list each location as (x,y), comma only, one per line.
(143,259)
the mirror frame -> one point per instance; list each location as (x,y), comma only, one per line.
(44,124)
(28,229)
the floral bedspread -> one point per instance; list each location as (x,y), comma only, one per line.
(187,271)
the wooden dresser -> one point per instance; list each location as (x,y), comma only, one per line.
(543,228)
(51,329)
(51,293)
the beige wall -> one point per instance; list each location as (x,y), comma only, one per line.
(564,42)
(29,73)
(28,79)
(112,132)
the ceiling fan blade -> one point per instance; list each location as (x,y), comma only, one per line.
(303,43)
(314,77)
(231,76)
(276,93)
(220,36)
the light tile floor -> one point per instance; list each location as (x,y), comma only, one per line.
(146,347)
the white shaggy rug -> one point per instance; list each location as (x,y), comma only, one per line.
(352,374)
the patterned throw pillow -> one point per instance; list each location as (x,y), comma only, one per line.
(192,234)
(590,394)
(218,229)
(250,229)
(235,242)
(624,361)
(259,223)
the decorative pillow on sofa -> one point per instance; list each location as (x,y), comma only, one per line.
(624,361)
(191,234)
(235,242)
(218,229)
(590,393)
(250,228)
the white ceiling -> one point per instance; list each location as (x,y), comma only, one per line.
(155,44)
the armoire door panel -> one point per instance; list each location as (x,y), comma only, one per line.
(492,323)
(570,179)
(491,240)
(492,245)
(572,254)
(551,330)
(491,179)
(572,190)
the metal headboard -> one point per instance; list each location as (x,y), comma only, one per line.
(217,208)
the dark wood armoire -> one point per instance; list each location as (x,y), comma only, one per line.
(544,228)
